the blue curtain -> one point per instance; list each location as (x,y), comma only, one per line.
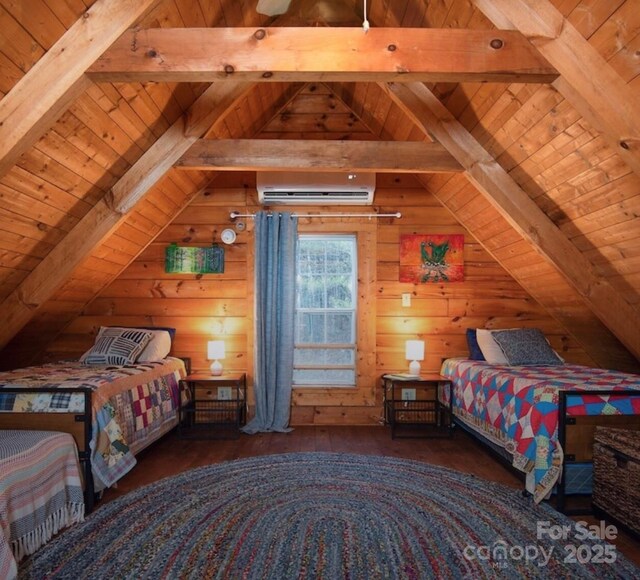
(275,285)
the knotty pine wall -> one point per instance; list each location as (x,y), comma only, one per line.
(220,306)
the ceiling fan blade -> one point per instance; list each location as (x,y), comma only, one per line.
(272,7)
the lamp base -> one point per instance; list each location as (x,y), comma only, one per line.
(414,368)
(216,368)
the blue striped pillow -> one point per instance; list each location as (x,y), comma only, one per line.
(117,346)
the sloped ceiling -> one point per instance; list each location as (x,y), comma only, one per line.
(99,171)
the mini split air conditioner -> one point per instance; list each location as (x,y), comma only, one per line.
(298,188)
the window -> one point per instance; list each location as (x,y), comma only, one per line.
(326,299)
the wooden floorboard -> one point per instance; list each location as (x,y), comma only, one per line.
(171,456)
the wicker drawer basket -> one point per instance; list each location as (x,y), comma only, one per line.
(616,474)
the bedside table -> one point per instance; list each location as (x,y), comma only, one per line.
(412,406)
(215,407)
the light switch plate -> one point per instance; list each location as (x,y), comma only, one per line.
(406,299)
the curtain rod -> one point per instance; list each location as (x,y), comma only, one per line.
(234,214)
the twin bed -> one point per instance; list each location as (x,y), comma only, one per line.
(106,414)
(542,418)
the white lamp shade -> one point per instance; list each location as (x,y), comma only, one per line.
(215,349)
(415,350)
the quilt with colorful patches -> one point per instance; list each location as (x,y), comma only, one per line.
(133,405)
(517,408)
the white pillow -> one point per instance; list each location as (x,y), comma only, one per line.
(489,347)
(157,348)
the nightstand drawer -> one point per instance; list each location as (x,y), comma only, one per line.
(214,393)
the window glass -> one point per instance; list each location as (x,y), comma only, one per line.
(326,298)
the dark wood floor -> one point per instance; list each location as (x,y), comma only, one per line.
(171,456)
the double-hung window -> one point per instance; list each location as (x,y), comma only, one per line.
(326,301)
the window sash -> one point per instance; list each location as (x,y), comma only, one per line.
(321,372)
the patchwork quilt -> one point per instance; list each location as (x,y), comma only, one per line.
(133,405)
(517,408)
(40,492)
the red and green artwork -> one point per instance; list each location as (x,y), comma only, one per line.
(431,258)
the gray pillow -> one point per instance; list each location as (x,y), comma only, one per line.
(117,346)
(526,346)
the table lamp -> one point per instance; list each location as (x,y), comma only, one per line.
(414,353)
(215,352)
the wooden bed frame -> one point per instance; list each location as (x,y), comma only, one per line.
(78,425)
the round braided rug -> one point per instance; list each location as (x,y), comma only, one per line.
(322,515)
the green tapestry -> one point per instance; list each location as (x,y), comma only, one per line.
(194,260)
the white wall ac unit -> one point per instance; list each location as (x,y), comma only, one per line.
(297,188)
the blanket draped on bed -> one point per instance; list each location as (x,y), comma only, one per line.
(40,491)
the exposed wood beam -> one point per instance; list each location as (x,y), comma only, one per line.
(587,81)
(312,155)
(46,91)
(112,210)
(521,211)
(322,54)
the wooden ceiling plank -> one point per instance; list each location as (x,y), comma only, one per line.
(66,12)
(521,212)
(588,21)
(43,94)
(17,44)
(10,74)
(321,54)
(113,209)
(113,103)
(414,14)
(312,155)
(67,155)
(618,31)
(212,12)
(38,20)
(191,13)
(559,125)
(38,166)
(145,106)
(587,80)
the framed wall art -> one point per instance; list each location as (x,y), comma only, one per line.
(431,258)
(194,260)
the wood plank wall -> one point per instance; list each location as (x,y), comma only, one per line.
(220,305)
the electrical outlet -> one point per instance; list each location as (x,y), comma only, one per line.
(408,394)
(406,299)
(224,393)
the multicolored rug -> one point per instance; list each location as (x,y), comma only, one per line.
(325,515)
